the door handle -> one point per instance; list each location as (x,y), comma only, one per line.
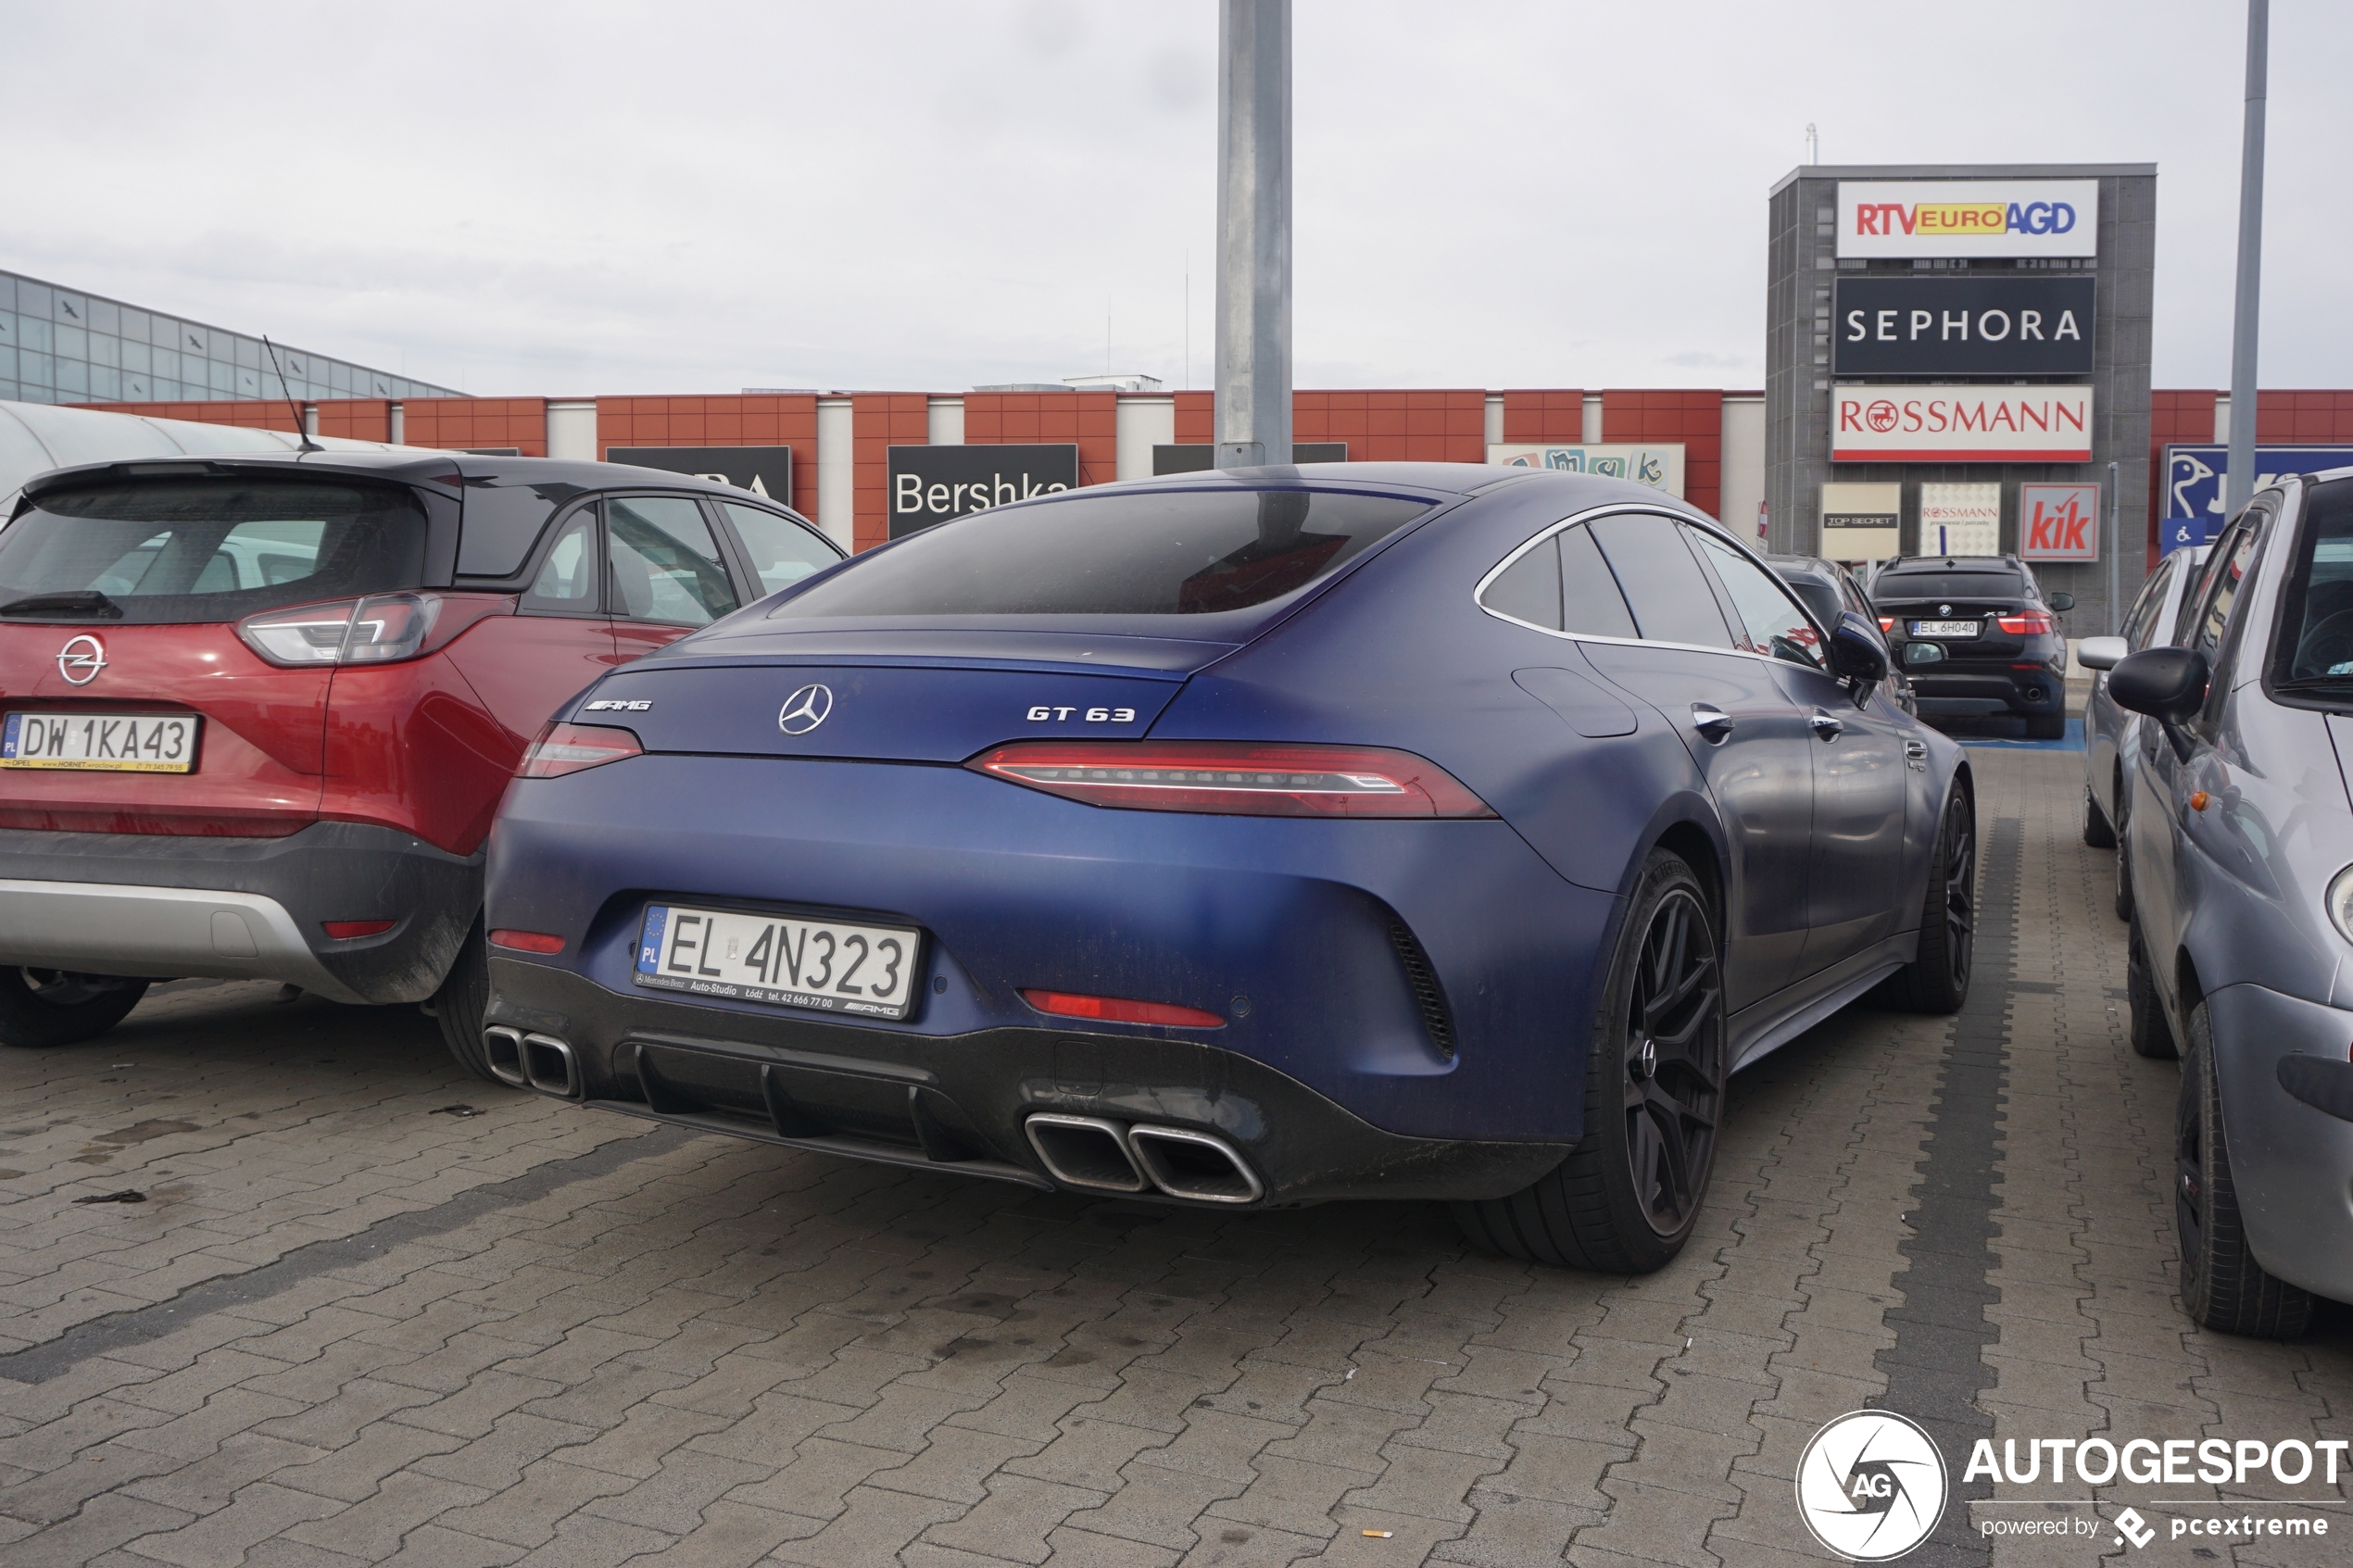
(1916,751)
(1826,726)
(1711,722)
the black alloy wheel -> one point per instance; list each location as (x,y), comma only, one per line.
(2223,1287)
(1936,981)
(1627,1199)
(57,1007)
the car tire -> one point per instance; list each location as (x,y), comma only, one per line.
(1936,981)
(40,1008)
(459,1006)
(1627,1199)
(2097,831)
(2047,726)
(2223,1288)
(2145,1025)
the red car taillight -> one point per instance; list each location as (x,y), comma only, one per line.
(1235,779)
(2035,623)
(380,629)
(1120,1010)
(567,748)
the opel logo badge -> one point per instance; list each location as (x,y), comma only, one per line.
(805,709)
(80,660)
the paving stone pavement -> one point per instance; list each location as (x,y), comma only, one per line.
(353,1324)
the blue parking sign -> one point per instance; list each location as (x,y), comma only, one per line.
(2190,496)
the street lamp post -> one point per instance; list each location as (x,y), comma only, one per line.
(1254,232)
(2240,481)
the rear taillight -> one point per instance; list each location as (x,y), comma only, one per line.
(1236,778)
(1120,1010)
(567,748)
(2032,624)
(380,629)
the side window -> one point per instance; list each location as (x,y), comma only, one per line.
(782,551)
(1590,600)
(1664,587)
(1772,620)
(1851,597)
(665,564)
(567,579)
(1530,589)
(2142,619)
(2225,575)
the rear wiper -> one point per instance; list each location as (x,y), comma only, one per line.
(81,601)
(2315,682)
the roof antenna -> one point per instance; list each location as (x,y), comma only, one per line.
(301,435)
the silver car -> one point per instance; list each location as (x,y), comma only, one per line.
(2153,621)
(2241,836)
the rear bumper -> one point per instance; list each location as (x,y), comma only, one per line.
(2291,1158)
(1958,690)
(957,1104)
(167,906)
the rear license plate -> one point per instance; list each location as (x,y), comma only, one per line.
(1946,628)
(117,743)
(827,965)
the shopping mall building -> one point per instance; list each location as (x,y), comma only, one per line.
(1958,358)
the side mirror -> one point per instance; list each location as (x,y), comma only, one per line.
(2169,685)
(2101,653)
(1857,651)
(1924,653)
(2062,602)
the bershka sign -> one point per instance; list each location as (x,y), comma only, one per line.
(1908,219)
(2035,325)
(763,470)
(1961,424)
(2059,521)
(930,484)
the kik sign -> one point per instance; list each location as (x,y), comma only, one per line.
(2059,521)
(2191,496)
(930,484)
(1907,220)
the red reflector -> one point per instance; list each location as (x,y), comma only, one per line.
(527,941)
(567,748)
(345,930)
(1887,623)
(1118,1009)
(1234,778)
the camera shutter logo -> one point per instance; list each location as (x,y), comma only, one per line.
(80,660)
(1871,1486)
(805,709)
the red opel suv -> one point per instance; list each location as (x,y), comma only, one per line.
(256,712)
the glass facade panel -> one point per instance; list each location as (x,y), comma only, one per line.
(32,299)
(223,377)
(9,365)
(249,353)
(32,369)
(72,343)
(105,317)
(73,375)
(36,331)
(135,325)
(8,328)
(105,348)
(106,381)
(71,308)
(137,356)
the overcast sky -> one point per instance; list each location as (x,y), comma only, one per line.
(703,196)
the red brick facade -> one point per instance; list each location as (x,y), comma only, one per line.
(880,420)
(1547,414)
(1057,418)
(1695,418)
(461,422)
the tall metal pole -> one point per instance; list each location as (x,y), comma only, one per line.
(1254,232)
(2240,482)
(2115,548)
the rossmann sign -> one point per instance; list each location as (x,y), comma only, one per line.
(1908,219)
(1961,424)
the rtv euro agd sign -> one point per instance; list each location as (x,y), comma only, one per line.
(1907,220)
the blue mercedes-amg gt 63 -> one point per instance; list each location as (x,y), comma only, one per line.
(1251,838)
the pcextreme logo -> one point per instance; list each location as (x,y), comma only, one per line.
(1912,218)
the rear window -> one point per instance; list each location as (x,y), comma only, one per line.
(1186,552)
(1948,585)
(179,552)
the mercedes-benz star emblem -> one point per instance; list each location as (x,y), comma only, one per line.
(805,709)
(80,660)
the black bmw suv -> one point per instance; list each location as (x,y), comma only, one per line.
(1996,640)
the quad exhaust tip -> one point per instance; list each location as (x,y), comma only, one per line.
(1099,1156)
(532,1062)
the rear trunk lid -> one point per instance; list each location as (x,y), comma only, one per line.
(120,603)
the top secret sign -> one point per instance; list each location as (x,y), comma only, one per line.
(930,484)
